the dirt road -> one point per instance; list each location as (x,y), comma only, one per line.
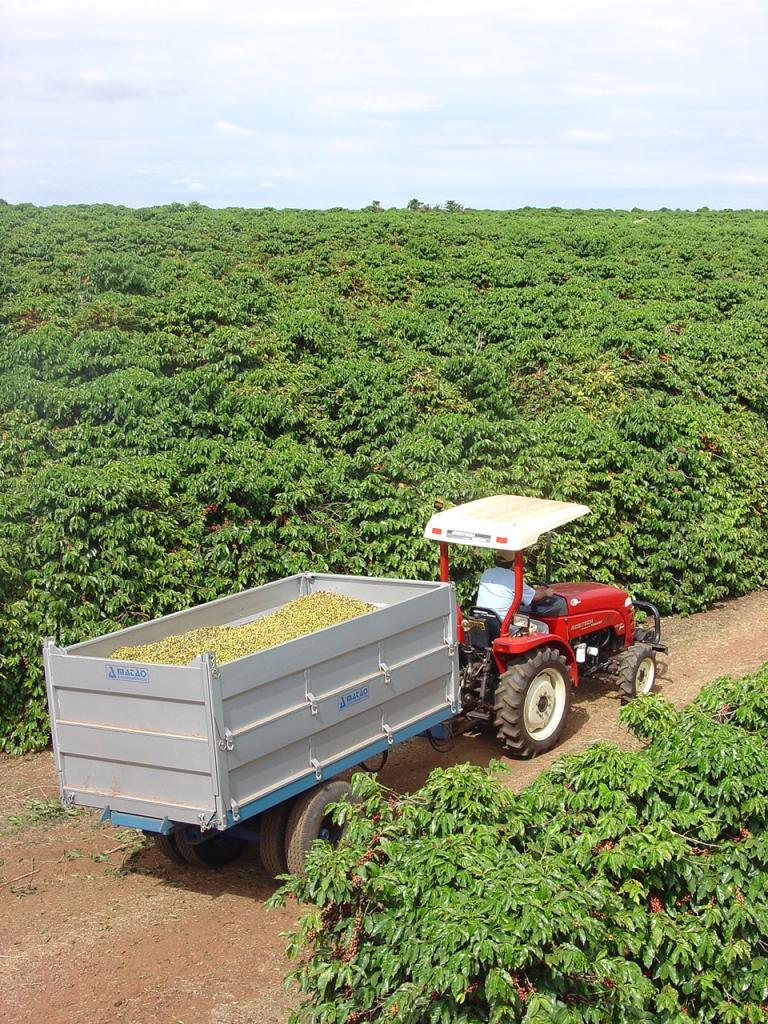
(96,926)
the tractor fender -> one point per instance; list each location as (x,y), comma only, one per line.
(510,646)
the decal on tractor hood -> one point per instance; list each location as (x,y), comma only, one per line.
(587,624)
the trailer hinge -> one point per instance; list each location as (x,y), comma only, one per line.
(387,729)
(310,697)
(235,807)
(214,668)
(206,822)
(227,741)
(452,647)
(68,800)
(384,667)
(317,766)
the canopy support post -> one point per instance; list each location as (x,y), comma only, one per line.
(518,593)
(444,575)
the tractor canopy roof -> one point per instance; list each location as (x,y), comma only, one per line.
(506,522)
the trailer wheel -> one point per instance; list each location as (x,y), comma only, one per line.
(166,844)
(272,825)
(532,701)
(371,768)
(637,672)
(220,849)
(309,820)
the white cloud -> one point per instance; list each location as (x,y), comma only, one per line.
(476,142)
(583,135)
(603,83)
(228,128)
(665,25)
(739,178)
(397,103)
(190,183)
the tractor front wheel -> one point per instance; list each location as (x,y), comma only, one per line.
(637,672)
(532,701)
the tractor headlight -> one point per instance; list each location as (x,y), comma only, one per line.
(523,621)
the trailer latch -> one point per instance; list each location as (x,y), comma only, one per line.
(383,667)
(235,811)
(390,735)
(206,822)
(312,702)
(317,766)
(227,741)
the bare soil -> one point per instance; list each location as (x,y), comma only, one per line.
(96,926)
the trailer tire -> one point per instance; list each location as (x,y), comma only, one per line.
(272,826)
(368,767)
(637,672)
(534,691)
(166,844)
(309,820)
(220,849)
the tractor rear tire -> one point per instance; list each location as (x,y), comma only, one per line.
(309,820)
(532,702)
(637,672)
(272,839)
(215,852)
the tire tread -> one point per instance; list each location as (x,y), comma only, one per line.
(629,662)
(510,698)
(213,853)
(272,839)
(304,821)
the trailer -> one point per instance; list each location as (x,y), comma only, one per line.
(207,756)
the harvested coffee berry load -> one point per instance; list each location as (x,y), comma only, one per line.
(297,618)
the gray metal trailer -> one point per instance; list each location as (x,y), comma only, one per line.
(192,751)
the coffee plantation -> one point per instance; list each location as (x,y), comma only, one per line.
(620,886)
(195,401)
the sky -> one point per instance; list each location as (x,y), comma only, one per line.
(491,103)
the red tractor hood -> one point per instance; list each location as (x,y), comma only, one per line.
(591,597)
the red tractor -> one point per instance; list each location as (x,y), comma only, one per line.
(518,671)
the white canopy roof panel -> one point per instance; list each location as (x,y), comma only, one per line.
(506,522)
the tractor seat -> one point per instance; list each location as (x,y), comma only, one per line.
(546,608)
(488,626)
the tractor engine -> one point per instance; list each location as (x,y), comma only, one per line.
(595,649)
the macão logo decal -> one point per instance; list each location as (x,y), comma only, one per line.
(126,674)
(353,697)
